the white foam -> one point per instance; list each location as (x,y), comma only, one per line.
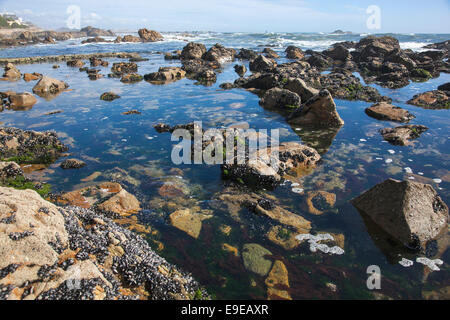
(406,263)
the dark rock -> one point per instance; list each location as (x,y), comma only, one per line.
(219,54)
(261,64)
(270,53)
(280,99)
(247,54)
(72,164)
(240,69)
(293,52)
(193,51)
(150,35)
(109,96)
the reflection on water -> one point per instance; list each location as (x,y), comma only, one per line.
(127,149)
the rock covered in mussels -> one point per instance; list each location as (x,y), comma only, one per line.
(409,211)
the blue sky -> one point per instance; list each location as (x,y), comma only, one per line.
(401,16)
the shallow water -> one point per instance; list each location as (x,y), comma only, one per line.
(354,160)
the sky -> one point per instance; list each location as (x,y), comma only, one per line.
(396,16)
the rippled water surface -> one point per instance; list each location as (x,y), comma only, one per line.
(354,160)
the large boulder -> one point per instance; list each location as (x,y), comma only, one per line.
(48,86)
(409,211)
(299,86)
(166,74)
(338,52)
(373,46)
(436,99)
(150,35)
(281,99)
(219,54)
(247,54)
(319,112)
(270,53)
(193,51)
(22,100)
(293,52)
(262,64)
(388,112)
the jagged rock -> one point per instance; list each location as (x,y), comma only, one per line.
(96,32)
(320,111)
(319,60)
(29,146)
(436,99)
(338,52)
(409,211)
(299,86)
(219,54)
(193,51)
(48,87)
(403,135)
(95,62)
(293,52)
(166,74)
(388,112)
(261,64)
(23,100)
(240,69)
(444,87)
(120,68)
(373,46)
(247,54)
(277,98)
(11,72)
(150,35)
(270,53)
(254,258)
(72,164)
(109,96)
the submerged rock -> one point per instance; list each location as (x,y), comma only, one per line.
(31,76)
(388,112)
(409,211)
(189,222)
(254,258)
(403,135)
(280,99)
(109,96)
(319,111)
(72,164)
(320,202)
(76,63)
(278,282)
(120,68)
(131,78)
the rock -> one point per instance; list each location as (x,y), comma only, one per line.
(254,258)
(278,282)
(150,35)
(166,74)
(126,113)
(122,203)
(247,54)
(9,170)
(95,62)
(31,76)
(293,52)
(22,100)
(228,248)
(338,52)
(49,87)
(76,254)
(72,164)
(403,135)
(444,87)
(94,40)
(320,111)
(319,60)
(30,147)
(280,99)
(409,211)
(261,64)
(283,237)
(263,81)
(319,202)
(131,78)
(219,54)
(207,76)
(436,99)
(240,69)
(120,68)
(109,96)
(11,72)
(227,86)
(373,46)
(388,112)
(77,63)
(191,223)
(94,74)
(299,86)
(271,54)
(96,32)
(193,51)
(130,38)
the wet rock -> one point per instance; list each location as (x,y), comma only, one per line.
(261,64)
(109,96)
(319,60)
(72,164)
(436,99)
(120,68)
(278,282)
(122,203)
(11,72)
(96,62)
(299,86)
(283,237)
(31,76)
(444,87)
(90,31)
(227,86)
(403,135)
(193,51)
(270,53)
(320,111)
(30,146)
(94,40)
(131,78)
(166,74)
(189,222)
(388,112)
(320,202)
(293,52)
(77,63)
(49,87)
(254,258)
(276,98)
(126,113)
(247,54)
(240,69)
(263,81)
(23,100)
(338,52)
(409,211)
(219,54)
(150,35)
(94,74)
